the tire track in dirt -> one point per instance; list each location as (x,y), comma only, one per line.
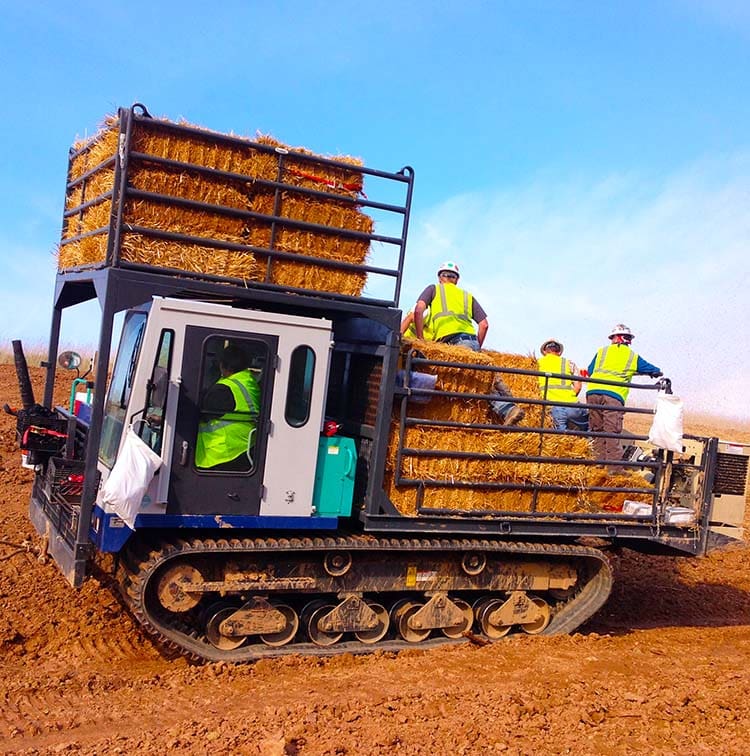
(660,669)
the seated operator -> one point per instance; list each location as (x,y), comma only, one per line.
(229,414)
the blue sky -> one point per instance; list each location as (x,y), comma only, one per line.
(585,163)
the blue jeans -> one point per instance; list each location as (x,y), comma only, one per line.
(501,408)
(467,340)
(570,416)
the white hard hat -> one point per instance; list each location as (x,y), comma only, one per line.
(552,343)
(449,267)
(621,330)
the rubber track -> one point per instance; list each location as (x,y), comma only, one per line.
(137,568)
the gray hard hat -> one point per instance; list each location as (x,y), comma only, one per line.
(552,344)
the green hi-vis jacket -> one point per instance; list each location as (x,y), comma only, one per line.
(225,438)
(450,311)
(427,334)
(557,389)
(616,362)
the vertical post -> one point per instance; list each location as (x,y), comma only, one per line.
(409,173)
(119,187)
(51,363)
(383,420)
(93,437)
(281,152)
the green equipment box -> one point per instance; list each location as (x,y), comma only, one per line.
(334,477)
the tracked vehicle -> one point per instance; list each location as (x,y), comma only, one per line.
(302,549)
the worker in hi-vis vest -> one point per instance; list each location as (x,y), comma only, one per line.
(229,414)
(614,362)
(559,385)
(453,313)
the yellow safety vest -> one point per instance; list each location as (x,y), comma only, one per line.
(427,334)
(222,439)
(557,389)
(451,311)
(616,362)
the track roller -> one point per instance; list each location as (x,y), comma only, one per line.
(284,636)
(531,613)
(379,632)
(216,615)
(483,610)
(401,612)
(456,631)
(537,625)
(312,614)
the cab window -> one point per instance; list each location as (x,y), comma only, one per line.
(120,386)
(299,391)
(232,377)
(151,430)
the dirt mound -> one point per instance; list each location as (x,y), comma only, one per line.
(659,669)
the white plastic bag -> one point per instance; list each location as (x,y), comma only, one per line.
(666,429)
(130,477)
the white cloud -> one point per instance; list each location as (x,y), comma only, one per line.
(671,258)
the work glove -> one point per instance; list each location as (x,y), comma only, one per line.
(657,374)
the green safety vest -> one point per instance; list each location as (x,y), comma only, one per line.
(557,389)
(616,362)
(222,439)
(427,334)
(451,311)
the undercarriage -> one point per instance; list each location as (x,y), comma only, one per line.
(238,600)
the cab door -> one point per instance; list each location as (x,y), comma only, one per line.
(234,488)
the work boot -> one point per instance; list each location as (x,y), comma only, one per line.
(500,388)
(513,416)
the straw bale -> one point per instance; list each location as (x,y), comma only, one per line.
(333,179)
(189,185)
(337,215)
(91,249)
(320,244)
(96,185)
(164,217)
(465,379)
(316,278)
(189,257)
(495,443)
(103,145)
(206,152)
(93,217)
(477,498)
(75,197)
(242,193)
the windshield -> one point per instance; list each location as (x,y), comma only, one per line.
(120,387)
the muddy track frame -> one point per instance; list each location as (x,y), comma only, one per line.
(142,563)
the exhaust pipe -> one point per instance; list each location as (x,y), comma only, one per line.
(22,371)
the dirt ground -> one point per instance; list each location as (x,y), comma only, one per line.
(661,669)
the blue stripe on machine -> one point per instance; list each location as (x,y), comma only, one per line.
(109,533)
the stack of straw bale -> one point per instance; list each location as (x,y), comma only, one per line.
(494,442)
(241,194)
